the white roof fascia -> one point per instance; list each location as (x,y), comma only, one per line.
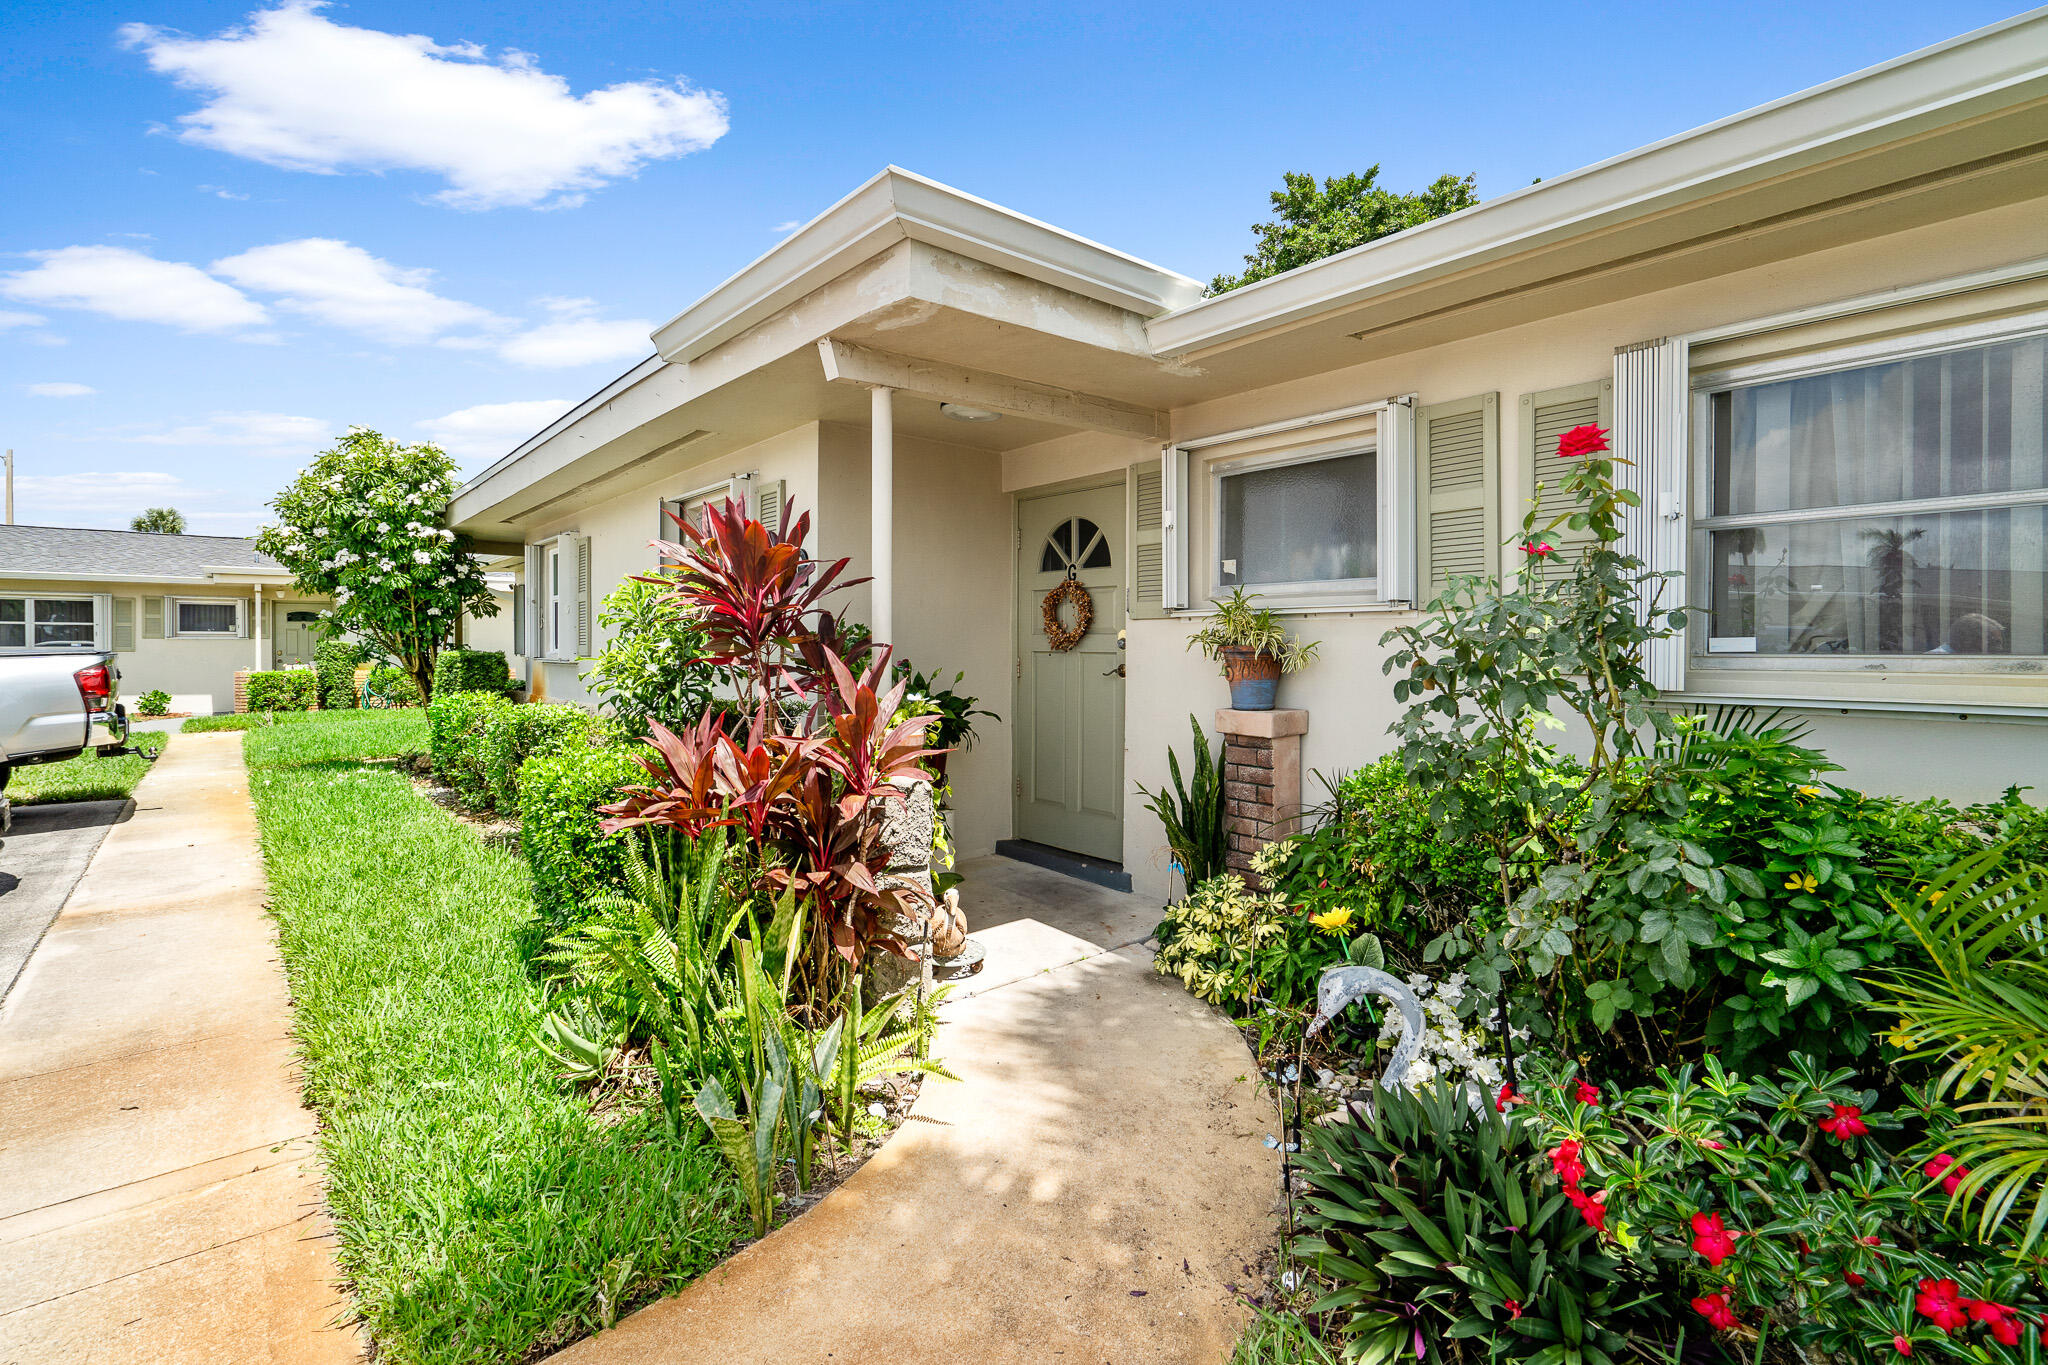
(897,205)
(1996,66)
(64,576)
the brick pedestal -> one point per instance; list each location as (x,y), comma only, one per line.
(1261,780)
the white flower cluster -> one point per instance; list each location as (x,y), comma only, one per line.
(1453,1049)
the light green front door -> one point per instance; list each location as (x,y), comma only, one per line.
(1070,703)
(294,636)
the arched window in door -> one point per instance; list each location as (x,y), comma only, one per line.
(1076,543)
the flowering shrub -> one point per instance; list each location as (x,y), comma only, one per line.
(1787,1205)
(1437,1232)
(1459,1044)
(363,524)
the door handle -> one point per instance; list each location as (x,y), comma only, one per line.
(1116,672)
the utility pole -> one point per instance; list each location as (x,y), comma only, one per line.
(10,488)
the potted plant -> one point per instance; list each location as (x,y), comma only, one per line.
(1253,649)
(932,696)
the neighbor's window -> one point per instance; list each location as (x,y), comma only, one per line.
(1302,525)
(1892,510)
(46,623)
(198,616)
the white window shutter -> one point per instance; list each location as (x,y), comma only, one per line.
(1651,399)
(1457,487)
(1546,416)
(1173,528)
(124,625)
(102,620)
(740,490)
(536,601)
(582,597)
(768,500)
(1396,461)
(1144,496)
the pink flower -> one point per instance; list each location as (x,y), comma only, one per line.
(1565,1160)
(1710,1239)
(1944,1168)
(1846,1123)
(1714,1308)
(1591,1207)
(1941,1303)
(1902,1346)
(1508,1097)
(1583,440)
(1535,551)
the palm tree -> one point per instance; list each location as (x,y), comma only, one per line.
(1980,1001)
(163,521)
(1889,560)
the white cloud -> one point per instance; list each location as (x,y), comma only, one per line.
(264,433)
(291,88)
(577,337)
(12,319)
(221,193)
(490,429)
(783,229)
(124,283)
(61,389)
(346,286)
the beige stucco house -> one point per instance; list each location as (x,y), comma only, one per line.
(1819,328)
(183,614)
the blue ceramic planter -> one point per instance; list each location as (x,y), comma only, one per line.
(1253,694)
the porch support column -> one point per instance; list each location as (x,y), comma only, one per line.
(256,629)
(882,514)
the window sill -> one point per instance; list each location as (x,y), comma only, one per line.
(1960,709)
(1280,606)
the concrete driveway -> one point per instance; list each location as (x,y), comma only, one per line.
(41,859)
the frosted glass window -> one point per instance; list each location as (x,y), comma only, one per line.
(1796,566)
(1316,522)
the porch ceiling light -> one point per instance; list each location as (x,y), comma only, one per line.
(960,412)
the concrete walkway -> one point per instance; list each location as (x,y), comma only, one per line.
(1085,1196)
(159,1198)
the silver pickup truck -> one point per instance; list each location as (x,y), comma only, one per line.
(56,706)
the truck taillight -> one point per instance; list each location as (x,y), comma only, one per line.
(95,684)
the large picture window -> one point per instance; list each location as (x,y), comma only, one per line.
(1299,525)
(1896,510)
(47,623)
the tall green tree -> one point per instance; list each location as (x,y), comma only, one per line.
(166,521)
(365,524)
(1311,221)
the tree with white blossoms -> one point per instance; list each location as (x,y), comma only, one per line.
(364,524)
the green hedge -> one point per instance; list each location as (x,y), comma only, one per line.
(335,662)
(282,689)
(513,734)
(395,685)
(455,722)
(471,670)
(569,858)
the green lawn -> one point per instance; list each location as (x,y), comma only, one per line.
(254,720)
(484,1213)
(85,778)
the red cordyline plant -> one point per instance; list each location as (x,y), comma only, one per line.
(1791,1211)
(807,800)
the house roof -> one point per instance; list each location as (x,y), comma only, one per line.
(83,552)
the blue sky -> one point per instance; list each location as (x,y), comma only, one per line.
(231,232)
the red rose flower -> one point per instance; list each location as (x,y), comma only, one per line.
(1944,1168)
(1507,1097)
(1902,1346)
(1710,1239)
(1847,1122)
(1941,1302)
(1714,1308)
(1564,1159)
(1585,440)
(1591,1207)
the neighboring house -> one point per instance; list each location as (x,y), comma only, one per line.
(1818,328)
(184,613)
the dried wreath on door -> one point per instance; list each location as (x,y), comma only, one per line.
(1063,638)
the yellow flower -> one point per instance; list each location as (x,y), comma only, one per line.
(1332,921)
(1808,791)
(1801,881)
(1935,893)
